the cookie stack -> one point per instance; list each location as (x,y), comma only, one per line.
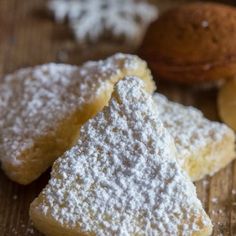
(42,109)
(129,153)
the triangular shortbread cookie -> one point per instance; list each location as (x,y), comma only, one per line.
(42,109)
(121,178)
(203,146)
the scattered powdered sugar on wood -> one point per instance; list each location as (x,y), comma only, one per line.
(205,183)
(121,178)
(214,200)
(189,128)
(26,228)
(34,100)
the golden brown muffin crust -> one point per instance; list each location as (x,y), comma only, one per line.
(197,38)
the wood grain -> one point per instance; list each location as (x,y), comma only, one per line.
(28,36)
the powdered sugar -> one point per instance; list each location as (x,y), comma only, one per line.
(187,125)
(34,100)
(91,18)
(122,178)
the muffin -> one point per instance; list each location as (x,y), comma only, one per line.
(193,44)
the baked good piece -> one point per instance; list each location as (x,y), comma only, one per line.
(42,109)
(193,44)
(121,178)
(227,103)
(204,147)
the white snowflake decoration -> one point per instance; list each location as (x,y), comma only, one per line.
(91,18)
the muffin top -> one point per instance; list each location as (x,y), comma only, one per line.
(193,34)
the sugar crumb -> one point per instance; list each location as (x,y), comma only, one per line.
(214,200)
(205,183)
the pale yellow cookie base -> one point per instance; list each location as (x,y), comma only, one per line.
(207,231)
(50,227)
(212,158)
(47,225)
(34,161)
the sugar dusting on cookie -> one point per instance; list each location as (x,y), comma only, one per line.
(189,128)
(34,100)
(121,178)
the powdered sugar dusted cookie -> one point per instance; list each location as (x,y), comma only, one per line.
(121,177)
(42,109)
(203,146)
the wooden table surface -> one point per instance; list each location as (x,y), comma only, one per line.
(28,36)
